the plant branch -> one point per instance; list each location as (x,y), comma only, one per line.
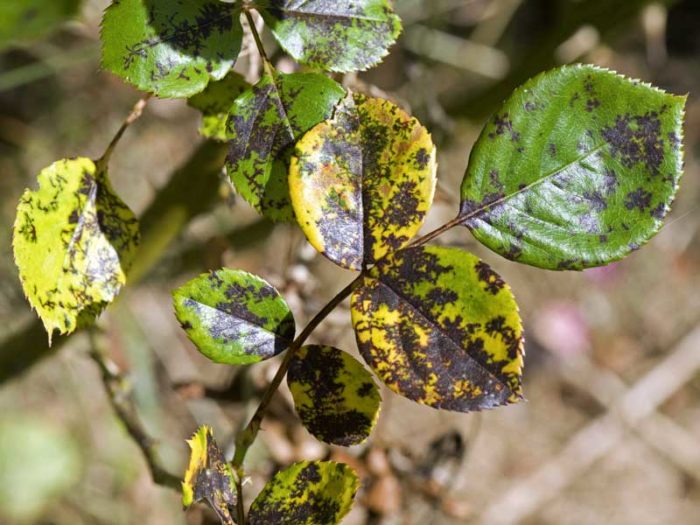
(136,112)
(119,394)
(249,433)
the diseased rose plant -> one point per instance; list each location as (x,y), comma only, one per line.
(577,169)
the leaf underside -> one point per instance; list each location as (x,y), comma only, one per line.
(362,182)
(341,36)
(171,48)
(335,397)
(263,126)
(307,493)
(440,327)
(577,169)
(234,317)
(74,240)
(209,477)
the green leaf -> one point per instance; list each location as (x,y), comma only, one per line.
(577,169)
(29,19)
(337,36)
(307,493)
(209,477)
(172,49)
(440,327)
(362,182)
(335,397)
(215,102)
(263,126)
(74,240)
(234,317)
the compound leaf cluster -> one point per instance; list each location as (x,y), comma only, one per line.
(74,240)
(174,48)
(578,168)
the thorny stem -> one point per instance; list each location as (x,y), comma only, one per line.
(136,112)
(119,394)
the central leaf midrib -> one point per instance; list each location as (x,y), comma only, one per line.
(447,336)
(483,209)
(241,318)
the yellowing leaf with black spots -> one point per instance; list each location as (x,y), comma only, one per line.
(209,477)
(172,48)
(307,493)
(577,169)
(215,102)
(440,327)
(264,124)
(362,182)
(74,240)
(335,397)
(335,35)
(234,317)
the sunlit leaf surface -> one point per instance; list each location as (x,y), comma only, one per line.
(168,47)
(74,240)
(335,397)
(334,35)
(234,317)
(577,169)
(440,327)
(307,493)
(264,123)
(362,182)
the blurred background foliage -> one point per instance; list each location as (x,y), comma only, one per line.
(576,453)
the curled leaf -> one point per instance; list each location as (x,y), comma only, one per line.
(74,240)
(172,49)
(264,123)
(362,182)
(215,102)
(209,477)
(340,36)
(307,493)
(577,169)
(440,327)
(335,397)
(234,317)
